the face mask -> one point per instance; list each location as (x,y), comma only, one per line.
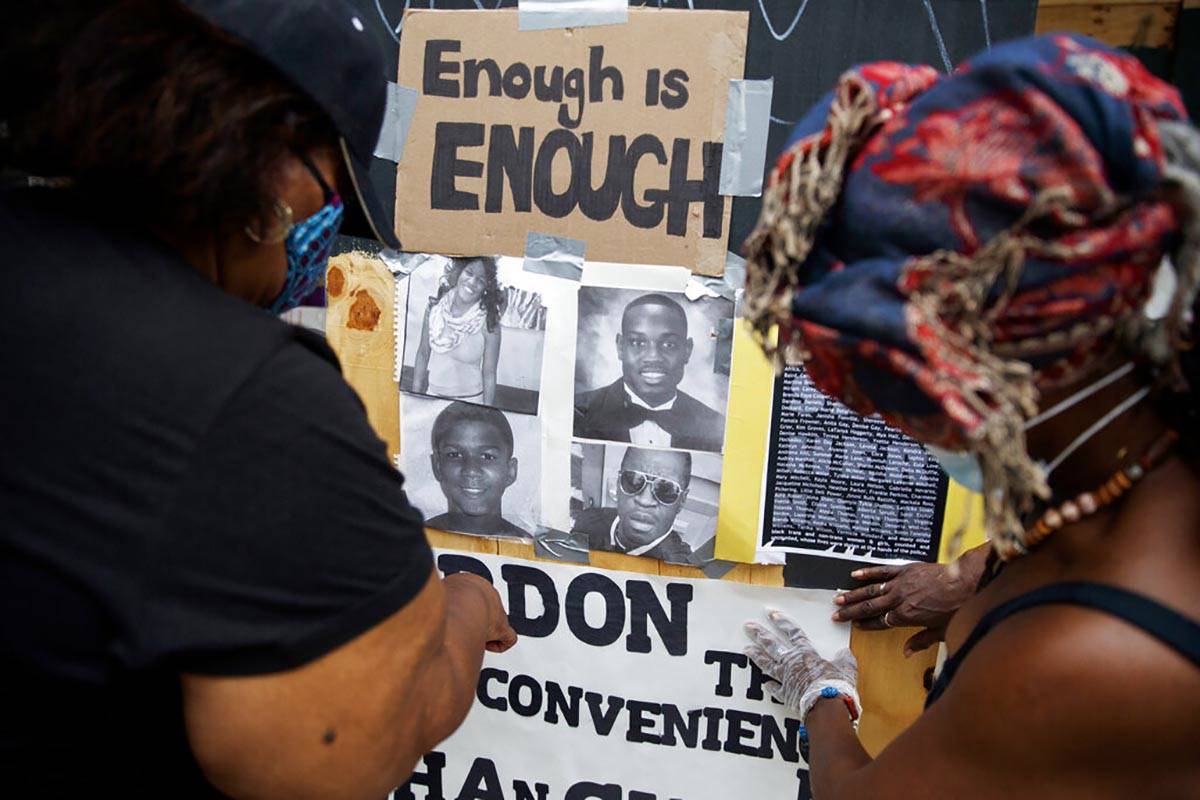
(308,245)
(964,466)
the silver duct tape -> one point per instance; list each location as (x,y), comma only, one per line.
(397,119)
(556,256)
(540,15)
(735,271)
(402,264)
(561,546)
(747,121)
(715,570)
(735,279)
(728,286)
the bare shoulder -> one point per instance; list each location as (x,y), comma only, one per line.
(1067,701)
(328,726)
(1072,693)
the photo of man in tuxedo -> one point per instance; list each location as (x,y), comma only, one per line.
(645,406)
(652,486)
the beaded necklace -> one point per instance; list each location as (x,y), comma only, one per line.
(1088,503)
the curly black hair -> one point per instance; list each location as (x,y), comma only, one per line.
(493,300)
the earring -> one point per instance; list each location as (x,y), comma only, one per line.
(283,224)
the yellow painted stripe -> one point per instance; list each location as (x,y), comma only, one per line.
(962,508)
(751,380)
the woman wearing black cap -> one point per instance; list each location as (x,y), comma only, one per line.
(211,580)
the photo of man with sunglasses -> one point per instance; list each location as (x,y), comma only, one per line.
(651,488)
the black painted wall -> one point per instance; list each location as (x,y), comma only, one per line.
(804,44)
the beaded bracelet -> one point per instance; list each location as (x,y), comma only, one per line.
(828,693)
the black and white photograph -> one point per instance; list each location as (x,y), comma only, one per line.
(470,468)
(470,335)
(645,501)
(652,368)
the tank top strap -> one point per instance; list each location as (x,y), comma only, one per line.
(1163,623)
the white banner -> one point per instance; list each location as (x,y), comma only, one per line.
(624,686)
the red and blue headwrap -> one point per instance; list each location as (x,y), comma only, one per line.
(936,249)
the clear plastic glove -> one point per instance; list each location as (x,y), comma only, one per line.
(788,656)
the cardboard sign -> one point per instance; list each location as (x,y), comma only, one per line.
(624,686)
(612,135)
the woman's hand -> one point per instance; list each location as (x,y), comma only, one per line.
(499,634)
(912,595)
(787,655)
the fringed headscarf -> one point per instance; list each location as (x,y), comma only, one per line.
(937,249)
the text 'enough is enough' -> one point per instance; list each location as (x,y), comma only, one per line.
(526,158)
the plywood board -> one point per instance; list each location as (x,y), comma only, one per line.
(891,686)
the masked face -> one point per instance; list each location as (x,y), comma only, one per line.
(474,466)
(654,347)
(643,517)
(962,467)
(308,246)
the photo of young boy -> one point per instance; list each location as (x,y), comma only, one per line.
(469,468)
(471,453)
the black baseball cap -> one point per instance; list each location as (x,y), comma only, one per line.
(324,49)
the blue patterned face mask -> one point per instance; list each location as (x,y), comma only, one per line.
(308,244)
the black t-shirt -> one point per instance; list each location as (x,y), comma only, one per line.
(187,484)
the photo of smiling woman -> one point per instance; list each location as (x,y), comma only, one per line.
(460,337)
(470,468)
(471,337)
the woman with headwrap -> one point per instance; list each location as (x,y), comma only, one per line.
(1003,264)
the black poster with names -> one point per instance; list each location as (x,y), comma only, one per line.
(846,486)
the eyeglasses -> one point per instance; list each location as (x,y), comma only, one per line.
(664,490)
(284,216)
